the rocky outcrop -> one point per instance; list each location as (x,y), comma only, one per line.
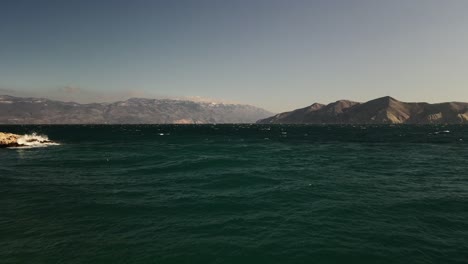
(8,140)
(384,110)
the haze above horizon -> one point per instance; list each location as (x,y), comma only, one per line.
(279,55)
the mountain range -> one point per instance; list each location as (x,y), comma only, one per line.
(384,110)
(20,110)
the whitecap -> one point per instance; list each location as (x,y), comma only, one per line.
(442,132)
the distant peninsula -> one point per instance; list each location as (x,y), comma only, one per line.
(20,110)
(384,110)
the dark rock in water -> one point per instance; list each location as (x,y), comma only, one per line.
(385,110)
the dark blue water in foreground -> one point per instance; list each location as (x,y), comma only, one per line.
(236,194)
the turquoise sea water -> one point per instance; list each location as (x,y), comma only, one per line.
(236,194)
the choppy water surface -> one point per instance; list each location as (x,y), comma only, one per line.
(236,194)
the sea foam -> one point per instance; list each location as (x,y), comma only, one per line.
(34,141)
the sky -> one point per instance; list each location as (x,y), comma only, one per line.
(275,54)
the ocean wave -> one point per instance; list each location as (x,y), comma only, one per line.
(34,141)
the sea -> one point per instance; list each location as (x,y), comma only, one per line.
(236,194)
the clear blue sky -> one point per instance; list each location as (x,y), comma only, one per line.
(276,54)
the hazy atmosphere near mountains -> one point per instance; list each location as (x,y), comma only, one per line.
(274,54)
(234,131)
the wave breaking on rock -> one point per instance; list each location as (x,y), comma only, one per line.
(8,140)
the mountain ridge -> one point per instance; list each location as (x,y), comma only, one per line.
(31,110)
(383,110)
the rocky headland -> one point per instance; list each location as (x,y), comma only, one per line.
(385,110)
